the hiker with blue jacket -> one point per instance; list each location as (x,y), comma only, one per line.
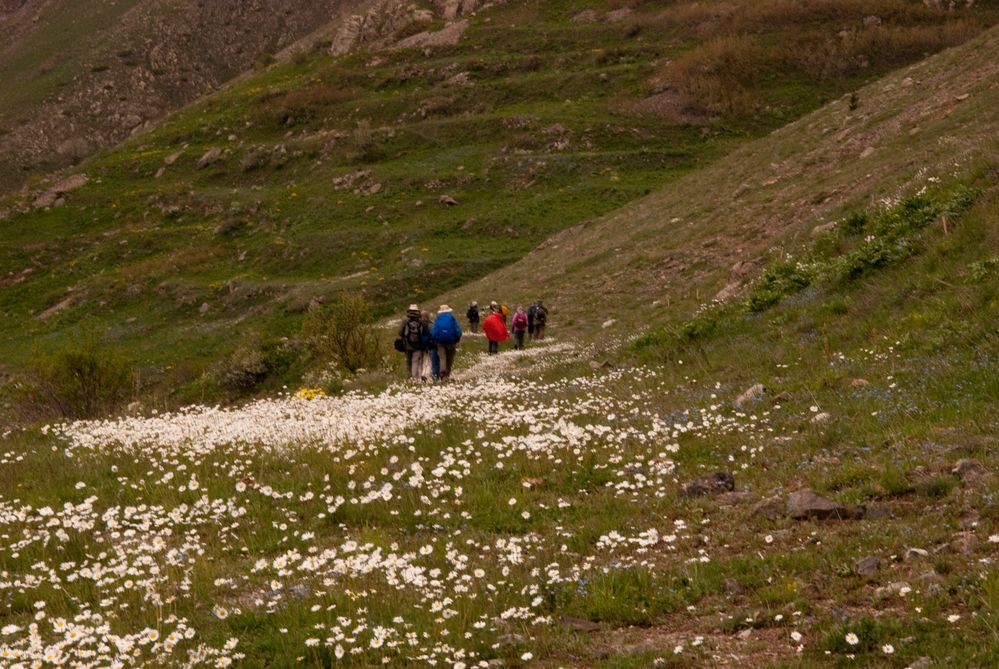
(446,333)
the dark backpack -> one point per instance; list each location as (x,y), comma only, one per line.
(414,334)
(541,316)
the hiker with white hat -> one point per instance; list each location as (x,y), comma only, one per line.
(412,335)
(446,334)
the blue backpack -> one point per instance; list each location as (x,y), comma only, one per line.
(446,330)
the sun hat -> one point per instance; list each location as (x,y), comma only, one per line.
(414,307)
(444,309)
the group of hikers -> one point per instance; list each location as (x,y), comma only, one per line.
(430,343)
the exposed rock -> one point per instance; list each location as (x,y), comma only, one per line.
(821,418)
(254,159)
(711,484)
(930,577)
(734,587)
(782,396)
(867,153)
(752,394)
(867,566)
(74,148)
(770,508)
(460,80)
(872,21)
(823,229)
(969,519)
(447,36)
(159,173)
(509,640)
(964,543)
(968,470)
(579,624)
(879,512)
(586,16)
(52,196)
(58,307)
(859,383)
(204,308)
(915,553)
(730,290)
(897,589)
(210,157)
(921,663)
(616,15)
(807,504)
(172,158)
(608,323)
(734,498)
(447,201)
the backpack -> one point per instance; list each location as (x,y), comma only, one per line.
(445,330)
(541,316)
(414,335)
(520,321)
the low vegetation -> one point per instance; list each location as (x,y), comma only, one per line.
(322,176)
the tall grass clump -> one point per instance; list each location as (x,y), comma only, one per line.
(83,380)
(344,333)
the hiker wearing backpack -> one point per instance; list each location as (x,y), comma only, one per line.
(410,341)
(540,320)
(473,317)
(531,312)
(495,328)
(431,361)
(446,333)
(519,326)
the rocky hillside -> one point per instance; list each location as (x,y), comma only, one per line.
(408,149)
(79,77)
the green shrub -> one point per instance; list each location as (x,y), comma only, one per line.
(83,380)
(984,270)
(854,224)
(938,487)
(253,362)
(778,281)
(344,333)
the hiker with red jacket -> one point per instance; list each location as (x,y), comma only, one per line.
(494,328)
(519,327)
(412,337)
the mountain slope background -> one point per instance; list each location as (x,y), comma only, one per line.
(709,234)
(434,159)
(79,77)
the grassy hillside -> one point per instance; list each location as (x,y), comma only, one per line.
(546,509)
(709,234)
(537,512)
(329,174)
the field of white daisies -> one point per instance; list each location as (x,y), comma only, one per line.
(529,514)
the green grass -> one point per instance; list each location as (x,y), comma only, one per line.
(545,139)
